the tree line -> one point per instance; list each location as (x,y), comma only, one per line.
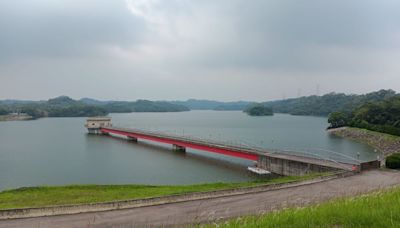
(382,116)
(258,110)
(328,103)
(57,107)
(66,107)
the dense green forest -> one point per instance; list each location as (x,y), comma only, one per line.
(382,116)
(326,104)
(66,107)
(259,110)
(310,105)
(194,104)
(378,111)
(4,111)
(58,107)
(143,106)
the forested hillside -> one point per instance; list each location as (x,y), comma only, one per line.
(326,104)
(66,107)
(213,105)
(58,107)
(382,116)
(259,110)
(143,106)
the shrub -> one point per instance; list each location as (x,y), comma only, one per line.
(393,161)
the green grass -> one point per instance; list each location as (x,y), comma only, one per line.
(80,194)
(378,209)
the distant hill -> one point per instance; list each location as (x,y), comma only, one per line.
(62,101)
(143,106)
(136,106)
(64,106)
(259,110)
(328,103)
(310,105)
(10,102)
(233,106)
(382,116)
(91,101)
(213,105)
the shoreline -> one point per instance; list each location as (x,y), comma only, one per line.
(384,143)
(14,117)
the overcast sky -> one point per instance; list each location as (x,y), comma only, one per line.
(212,49)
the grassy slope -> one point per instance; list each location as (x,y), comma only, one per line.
(385,143)
(78,194)
(379,209)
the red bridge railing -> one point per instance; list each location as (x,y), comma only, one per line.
(228,150)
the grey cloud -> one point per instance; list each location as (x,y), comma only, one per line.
(287,35)
(37,28)
(248,49)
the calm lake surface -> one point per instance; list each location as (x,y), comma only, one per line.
(58,151)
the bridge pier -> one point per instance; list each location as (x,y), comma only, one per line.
(132,139)
(291,167)
(178,148)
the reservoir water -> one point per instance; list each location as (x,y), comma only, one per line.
(58,151)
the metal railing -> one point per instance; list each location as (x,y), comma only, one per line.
(315,153)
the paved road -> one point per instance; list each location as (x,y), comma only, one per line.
(213,209)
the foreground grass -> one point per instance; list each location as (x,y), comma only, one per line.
(80,194)
(379,209)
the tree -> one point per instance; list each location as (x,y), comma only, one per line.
(4,111)
(337,119)
(259,110)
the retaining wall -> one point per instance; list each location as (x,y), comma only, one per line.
(291,168)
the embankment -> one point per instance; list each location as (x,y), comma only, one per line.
(15,117)
(384,143)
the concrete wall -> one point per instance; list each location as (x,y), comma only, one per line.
(98,123)
(370,165)
(132,139)
(290,168)
(178,148)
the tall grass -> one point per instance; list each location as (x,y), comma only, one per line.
(378,209)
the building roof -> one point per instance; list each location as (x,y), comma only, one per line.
(102,118)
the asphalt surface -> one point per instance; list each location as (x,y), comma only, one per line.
(192,212)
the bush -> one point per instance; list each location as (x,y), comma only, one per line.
(4,111)
(393,161)
(337,119)
(259,110)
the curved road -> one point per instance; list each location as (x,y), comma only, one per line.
(219,208)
